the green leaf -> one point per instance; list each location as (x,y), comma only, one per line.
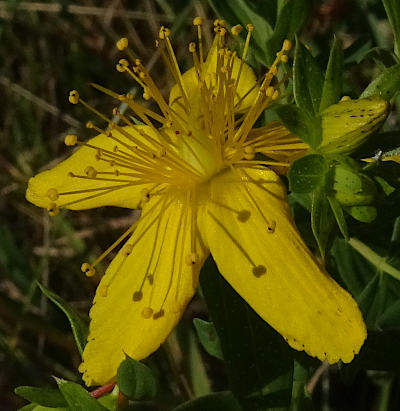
(290,20)
(301,399)
(79,327)
(308,80)
(339,216)
(386,85)
(363,213)
(78,399)
(390,319)
(244,12)
(217,401)
(333,82)
(42,396)
(136,381)
(208,337)
(383,58)
(258,359)
(393,11)
(307,173)
(301,123)
(321,218)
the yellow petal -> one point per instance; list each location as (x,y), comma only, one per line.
(259,251)
(247,85)
(119,325)
(101,191)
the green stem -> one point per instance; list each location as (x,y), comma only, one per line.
(378,261)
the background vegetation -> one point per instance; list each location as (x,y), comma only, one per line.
(48,48)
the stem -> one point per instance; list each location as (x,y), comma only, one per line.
(378,261)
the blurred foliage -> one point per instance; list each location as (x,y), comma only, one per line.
(343,48)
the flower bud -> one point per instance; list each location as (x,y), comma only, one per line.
(347,124)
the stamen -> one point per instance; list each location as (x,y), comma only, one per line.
(90,172)
(122,43)
(88,269)
(70,140)
(54,209)
(73,97)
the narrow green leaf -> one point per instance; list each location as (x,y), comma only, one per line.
(308,80)
(301,399)
(136,381)
(386,85)
(382,57)
(390,319)
(332,89)
(217,401)
(208,337)
(42,396)
(79,327)
(301,123)
(77,397)
(393,11)
(307,173)
(321,218)
(247,340)
(339,216)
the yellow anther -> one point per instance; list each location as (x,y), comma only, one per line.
(220,30)
(249,150)
(145,195)
(146,95)
(164,32)
(52,194)
(138,62)
(269,91)
(250,28)
(287,45)
(88,269)
(137,296)
(284,58)
(192,47)
(122,43)
(73,97)
(103,290)
(53,210)
(273,70)
(308,47)
(275,96)
(197,21)
(147,312)
(192,259)
(220,23)
(236,30)
(70,139)
(122,65)
(129,96)
(127,249)
(90,172)
(115,111)
(89,124)
(259,270)
(345,98)
(158,314)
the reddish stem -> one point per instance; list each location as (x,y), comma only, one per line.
(103,390)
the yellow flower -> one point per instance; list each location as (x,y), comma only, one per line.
(194,169)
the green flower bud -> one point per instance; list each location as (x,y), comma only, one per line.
(347,124)
(363,213)
(352,187)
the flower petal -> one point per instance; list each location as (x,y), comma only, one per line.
(260,252)
(247,84)
(103,190)
(142,296)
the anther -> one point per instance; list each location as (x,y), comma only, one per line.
(284,58)
(158,314)
(287,45)
(73,97)
(275,96)
(164,32)
(90,172)
(103,290)
(220,23)
(273,70)
(70,140)
(197,21)
(122,43)
(89,124)
(269,91)
(250,28)
(192,259)
(115,111)
(53,210)
(88,269)
(137,296)
(236,30)
(122,65)
(146,94)
(345,98)
(147,312)
(249,153)
(192,47)
(52,194)
(259,270)
(271,227)
(127,249)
